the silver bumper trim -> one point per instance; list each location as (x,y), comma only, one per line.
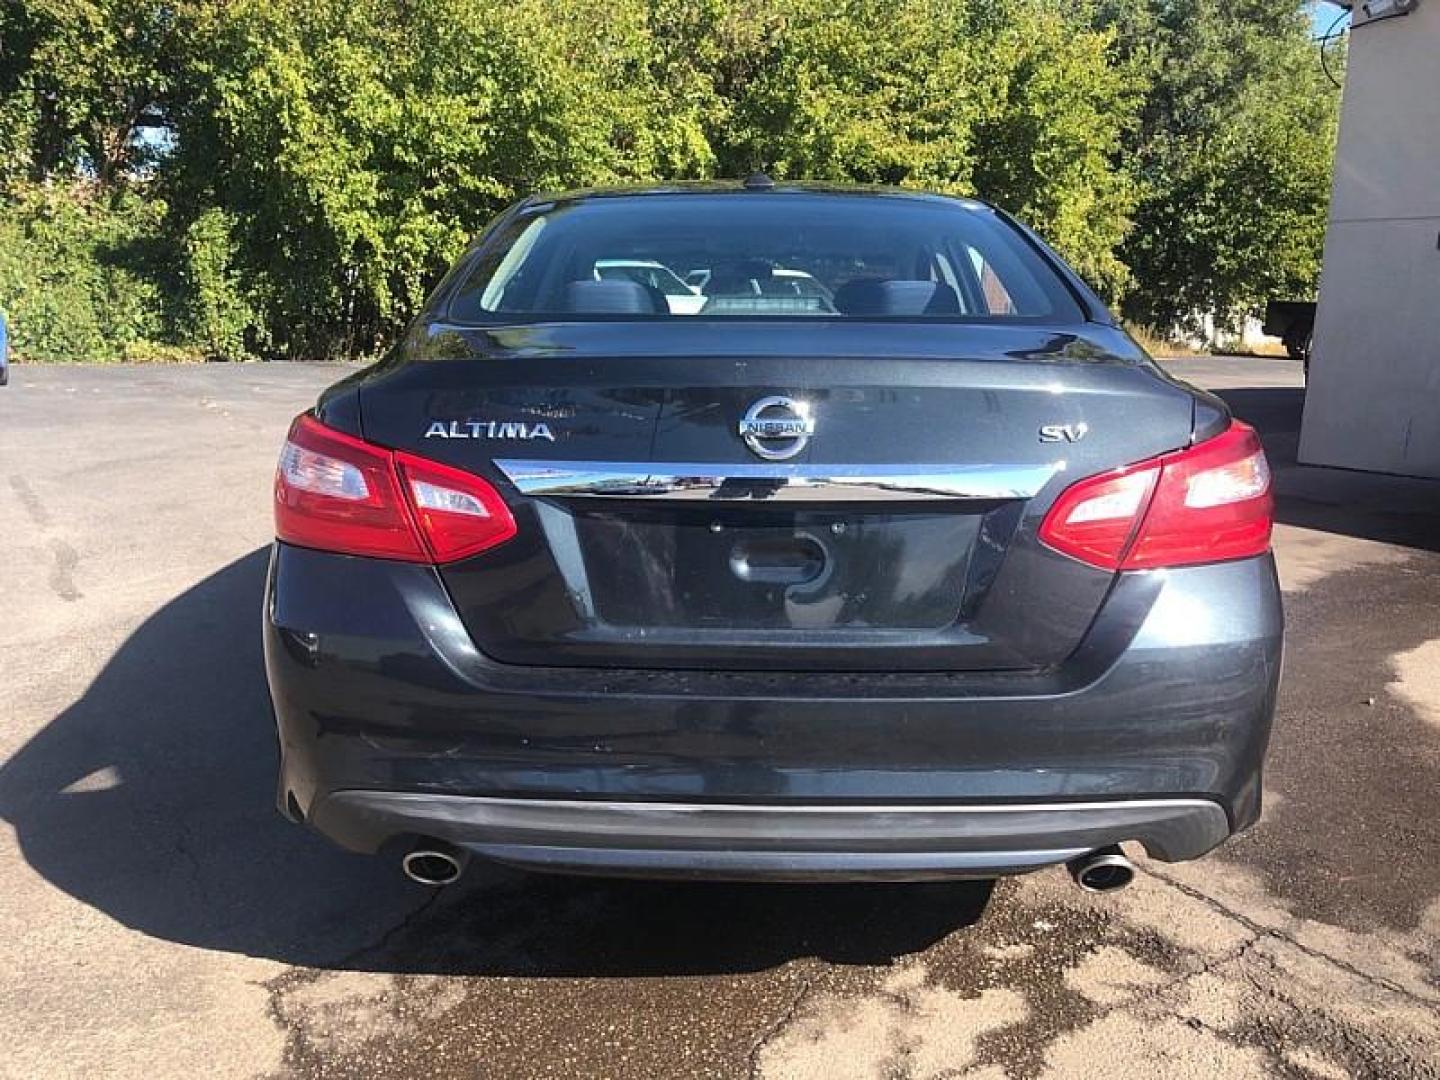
(773,482)
(727,838)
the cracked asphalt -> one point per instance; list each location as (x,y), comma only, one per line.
(160,920)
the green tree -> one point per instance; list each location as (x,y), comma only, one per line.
(79,80)
(332,157)
(876,91)
(1023,102)
(217,317)
(80,276)
(1233,155)
(357,144)
(1059,102)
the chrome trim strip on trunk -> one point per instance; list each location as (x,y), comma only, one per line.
(774,482)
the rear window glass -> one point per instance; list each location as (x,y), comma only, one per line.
(773,255)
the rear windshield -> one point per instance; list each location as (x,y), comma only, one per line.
(755,256)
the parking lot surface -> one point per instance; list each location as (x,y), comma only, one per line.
(160,919)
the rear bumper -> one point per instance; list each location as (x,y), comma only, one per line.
(776,841)
(392,725)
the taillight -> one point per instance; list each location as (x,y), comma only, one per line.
(458,513)
(339,493)
(1208,503)
(1094,520)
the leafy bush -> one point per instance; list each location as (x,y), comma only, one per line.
(325,160)
(218,316)
(1232,155)
(356,145)
(78,275)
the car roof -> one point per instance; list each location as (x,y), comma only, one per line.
(738,189)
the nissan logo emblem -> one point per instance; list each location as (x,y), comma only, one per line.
(777,428)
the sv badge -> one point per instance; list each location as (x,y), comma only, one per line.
(1070,433)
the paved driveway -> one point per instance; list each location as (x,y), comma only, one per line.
(158,919)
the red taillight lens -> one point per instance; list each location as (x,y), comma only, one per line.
(339,493)
(1094,520)
(1208,503)
(458,513)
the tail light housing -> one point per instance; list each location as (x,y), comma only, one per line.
(1208,503)
(338,493)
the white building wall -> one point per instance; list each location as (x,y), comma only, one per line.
(1373,400)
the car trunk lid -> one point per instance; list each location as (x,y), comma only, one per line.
(897,532)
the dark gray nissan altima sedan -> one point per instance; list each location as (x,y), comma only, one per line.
(772,532)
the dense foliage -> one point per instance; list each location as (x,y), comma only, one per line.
(80,275)
(1232,154)
(287,177)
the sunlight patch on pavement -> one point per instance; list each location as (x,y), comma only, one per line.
(931,1030)
(1417,680)
(105,778)
(1197,971)
(1125,1047)
(1112,976)
(1306,556)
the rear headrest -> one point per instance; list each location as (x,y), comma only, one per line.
(613,298)
(874,296)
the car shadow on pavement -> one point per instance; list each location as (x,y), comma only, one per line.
(1368,506)
(151,799)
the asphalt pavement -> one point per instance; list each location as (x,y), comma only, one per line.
(159,919)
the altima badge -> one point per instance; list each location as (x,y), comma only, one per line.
(487,429)
(777,428)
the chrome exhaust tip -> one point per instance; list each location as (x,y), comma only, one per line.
(434,863)
(1103,870)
